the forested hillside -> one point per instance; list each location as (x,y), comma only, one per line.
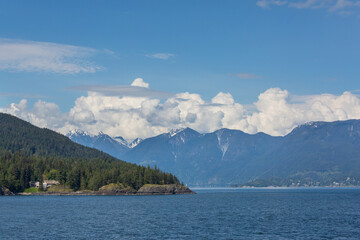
(17,135)
(29,153)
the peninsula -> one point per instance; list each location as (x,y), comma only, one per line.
(36,161)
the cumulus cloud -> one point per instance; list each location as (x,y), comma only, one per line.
(276,112)
(43,114)
(338,6)
(162,56)
(139,82)
(30,56)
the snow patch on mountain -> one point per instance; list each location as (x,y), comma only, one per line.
(311,124)
(78,132)
(223,142)
(121,140)
(173,132)
(135,142)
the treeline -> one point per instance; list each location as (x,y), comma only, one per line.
(17,170)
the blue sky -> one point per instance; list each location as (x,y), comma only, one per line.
(306,47)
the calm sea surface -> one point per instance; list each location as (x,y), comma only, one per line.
(210,214)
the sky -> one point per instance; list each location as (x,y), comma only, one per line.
(140,68)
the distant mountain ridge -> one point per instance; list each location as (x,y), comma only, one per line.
(116,146)
(315,153)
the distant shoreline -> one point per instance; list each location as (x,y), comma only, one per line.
(270,187)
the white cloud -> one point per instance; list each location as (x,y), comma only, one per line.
(139,82)
(43,114)
(162,56)
(338,6)
(276,112)
(30,56)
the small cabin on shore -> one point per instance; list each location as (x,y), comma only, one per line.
(46,183)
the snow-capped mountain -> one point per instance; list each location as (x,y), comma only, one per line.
(313,152)
(317,152)
(200,159)
(81,137)
(114,146)
(135,142)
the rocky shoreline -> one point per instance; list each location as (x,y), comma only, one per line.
(5,192)
(152,189)
(117,190)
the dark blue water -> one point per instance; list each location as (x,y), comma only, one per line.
(210,214)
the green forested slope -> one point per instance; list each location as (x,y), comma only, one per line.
(29,153)
(17,135)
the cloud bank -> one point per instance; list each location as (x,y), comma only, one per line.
(277,112)
(30,56)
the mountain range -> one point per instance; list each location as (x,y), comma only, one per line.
(116,146)
(313,154)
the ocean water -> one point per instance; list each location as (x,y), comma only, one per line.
(324,213)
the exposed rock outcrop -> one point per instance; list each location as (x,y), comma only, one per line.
(115,189)
(5,192)
(153,189)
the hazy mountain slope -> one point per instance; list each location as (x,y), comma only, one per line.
(158,150)
(216,158)
(321,151)
(319,147)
